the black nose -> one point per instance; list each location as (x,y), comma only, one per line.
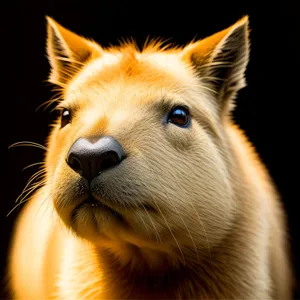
(90,158)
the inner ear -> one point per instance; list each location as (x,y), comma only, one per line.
(228,63)
(67,52)
(221,59)
(59,53)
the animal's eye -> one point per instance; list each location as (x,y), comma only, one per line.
(180,116)
(65,117)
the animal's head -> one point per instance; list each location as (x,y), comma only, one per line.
(139,154)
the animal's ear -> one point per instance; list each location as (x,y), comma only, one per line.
(67,52)
(220,60)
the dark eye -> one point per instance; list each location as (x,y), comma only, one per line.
(65,118)
(180,116)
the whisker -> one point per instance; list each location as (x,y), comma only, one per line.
(34,176)
(200,221)
(27,144)
(141,218)
(48,103)
(32,165)
(169,228)
(165,220)
(189,233)
(16,206)
(24,200)
(30,191)
(47,206)
(31,179)
(158,238)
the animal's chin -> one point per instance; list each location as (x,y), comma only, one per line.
(97,221)
(92,219)
(94,206)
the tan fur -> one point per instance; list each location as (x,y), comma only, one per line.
(218,229)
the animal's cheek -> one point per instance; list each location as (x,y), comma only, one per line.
(59,143)
(67,190)
(180,138)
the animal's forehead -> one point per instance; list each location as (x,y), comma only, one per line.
(144,76)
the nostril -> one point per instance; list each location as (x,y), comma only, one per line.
(109,160)
(74,163)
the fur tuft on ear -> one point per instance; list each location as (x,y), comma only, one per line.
(67,52)
(221,60)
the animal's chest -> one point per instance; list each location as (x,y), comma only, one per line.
(80,283)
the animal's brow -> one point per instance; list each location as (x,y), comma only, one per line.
(70,106)
(166,104)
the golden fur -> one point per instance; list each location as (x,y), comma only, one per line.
(215,230)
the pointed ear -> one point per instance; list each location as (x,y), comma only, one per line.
(67,52)
(221,59)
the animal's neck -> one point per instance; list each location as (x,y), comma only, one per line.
(147,274)
(150,274)
(232,268)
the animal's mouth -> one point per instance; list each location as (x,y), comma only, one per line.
(96,207)
(94,204)
(90,201)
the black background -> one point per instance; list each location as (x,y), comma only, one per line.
(266,110)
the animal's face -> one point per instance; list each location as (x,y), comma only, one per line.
(139,152)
